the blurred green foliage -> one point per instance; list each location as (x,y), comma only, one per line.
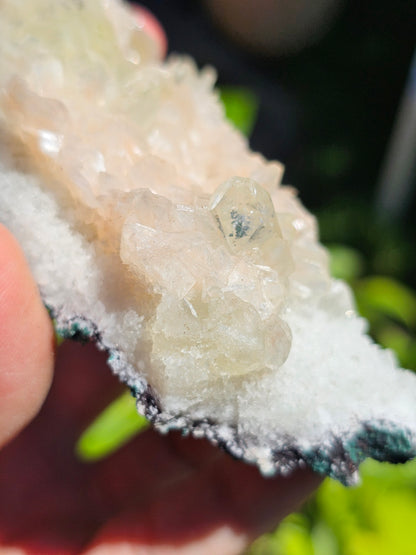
(241,107)
(375,518)
(114,427)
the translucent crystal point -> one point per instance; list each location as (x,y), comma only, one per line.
(245,214)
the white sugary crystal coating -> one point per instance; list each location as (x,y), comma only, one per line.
(142,209)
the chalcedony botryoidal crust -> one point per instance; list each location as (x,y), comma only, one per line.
(153,229)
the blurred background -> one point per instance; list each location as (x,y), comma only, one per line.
(328,88)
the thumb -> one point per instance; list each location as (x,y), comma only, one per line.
(26,341)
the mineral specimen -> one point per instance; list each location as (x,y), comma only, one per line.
(152,229)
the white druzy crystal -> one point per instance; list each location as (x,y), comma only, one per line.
(147,220)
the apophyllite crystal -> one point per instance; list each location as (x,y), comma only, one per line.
(151,228)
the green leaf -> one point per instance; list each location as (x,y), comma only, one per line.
(345,263)
(59,338)
(241,107)
(393,530)
(292,537)
(324,540)
(394,337)
(114,427)
(387,296)
(390,476)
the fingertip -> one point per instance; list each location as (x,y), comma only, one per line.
(152,27)
(26,341)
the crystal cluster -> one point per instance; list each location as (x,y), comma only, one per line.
(145,215)
(219,263)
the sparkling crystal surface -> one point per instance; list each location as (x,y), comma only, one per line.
(207,251)
(144,210)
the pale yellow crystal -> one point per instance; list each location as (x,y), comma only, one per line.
(245,214)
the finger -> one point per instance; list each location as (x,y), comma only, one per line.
(152,27)
(26,341)
(220,509)
(259,504)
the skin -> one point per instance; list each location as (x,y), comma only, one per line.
(273,27)
(157,495)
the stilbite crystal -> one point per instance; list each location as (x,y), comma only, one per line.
(151,226)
